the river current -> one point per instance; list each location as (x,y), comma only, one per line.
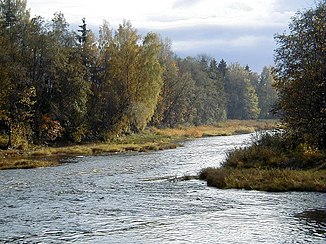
(137,198)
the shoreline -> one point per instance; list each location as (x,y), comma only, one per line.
(152,139)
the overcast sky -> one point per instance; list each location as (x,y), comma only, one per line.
(235,30)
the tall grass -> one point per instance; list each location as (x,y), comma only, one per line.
(271,151)
(269,165)
(266,180)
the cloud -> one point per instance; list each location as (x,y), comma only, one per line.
(292,6)
(219,44)
(251,45)
(240,6)
(237,30)
(185,3)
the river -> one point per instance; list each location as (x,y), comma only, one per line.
(136,198)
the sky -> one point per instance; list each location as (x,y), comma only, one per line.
(234,30)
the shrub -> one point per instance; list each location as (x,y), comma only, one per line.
(255,156)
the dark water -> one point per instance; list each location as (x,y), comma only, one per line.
(133,198)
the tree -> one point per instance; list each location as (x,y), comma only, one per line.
(16,84)
(174,103)
(266,93)
(67,90)
(242,100)
(100,102)
(133,73)
(222,68)
(208,97)
(300,77)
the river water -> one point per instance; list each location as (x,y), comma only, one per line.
(135,198)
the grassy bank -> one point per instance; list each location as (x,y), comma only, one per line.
(268,165)
(266,179)
(151,139)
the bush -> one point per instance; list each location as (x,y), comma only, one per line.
(265,152)
(214,176)
(271,150)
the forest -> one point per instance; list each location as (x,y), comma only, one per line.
(63,85)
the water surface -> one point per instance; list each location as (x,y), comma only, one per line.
(134,198)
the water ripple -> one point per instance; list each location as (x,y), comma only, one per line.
(133,198)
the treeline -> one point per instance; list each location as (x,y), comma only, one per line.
(293,159)
(62,85)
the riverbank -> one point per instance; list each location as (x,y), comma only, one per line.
(274,180)
(150,139)
(268,165)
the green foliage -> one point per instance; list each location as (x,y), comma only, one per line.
(174,101)
(134,77)
(208,96)
(242,99)
(300,77)
(266,93)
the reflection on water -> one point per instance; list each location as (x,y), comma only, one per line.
(315,221)
(129,198)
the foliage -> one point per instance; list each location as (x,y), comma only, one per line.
(300,78)
(174,102)
(266,93)
(134,78)
(58,85)
(242,99)
(272,151)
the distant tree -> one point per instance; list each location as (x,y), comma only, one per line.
(208,99)
(100,111)
(242,100)
(174,103)
(222,68)
(218,91)
(83,32)
(266,94)
(301,77)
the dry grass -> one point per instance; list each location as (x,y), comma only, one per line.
(229,127)
(151,139)
(268,165)
(14,163)
(266,180)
